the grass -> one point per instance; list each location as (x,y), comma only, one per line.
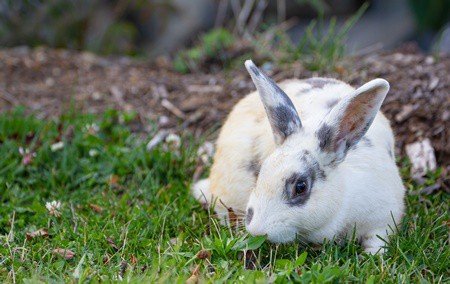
(127,215)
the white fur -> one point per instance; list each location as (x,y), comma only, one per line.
(363,192)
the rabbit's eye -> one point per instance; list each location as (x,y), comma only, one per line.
(297,190)
(300,188)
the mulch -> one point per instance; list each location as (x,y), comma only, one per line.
(48,82)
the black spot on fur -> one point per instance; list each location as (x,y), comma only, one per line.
(289,187)
(311,173)
(313,168)
(249,215)
(390,152)
(254,166)
(324,135)
(319,83)
(366,142)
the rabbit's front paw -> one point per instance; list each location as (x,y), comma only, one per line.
(374,243)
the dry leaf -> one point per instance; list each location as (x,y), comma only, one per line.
(113,180)
(96,208)
(112,243)
(123,268)
(233,218)
(203,254)
(133,259)
(65,253)
(38,233)
(27,156)
(106,258)
(250,260)
(194,276)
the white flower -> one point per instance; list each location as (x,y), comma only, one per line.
(92,128)
(206,152)
(173,140)
(57,146)
(53,208)
(93,152)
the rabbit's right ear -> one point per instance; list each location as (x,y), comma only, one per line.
(350,119)
(283,116)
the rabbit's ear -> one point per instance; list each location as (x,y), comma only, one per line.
(283,116)
(350,119)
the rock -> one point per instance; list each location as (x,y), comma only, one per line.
(158,138)
(421,155)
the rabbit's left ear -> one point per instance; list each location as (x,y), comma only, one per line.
(350,119)
(283,116)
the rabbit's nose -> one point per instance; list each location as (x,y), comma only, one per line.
(249,216)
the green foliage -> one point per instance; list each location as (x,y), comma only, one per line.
(127,215)
(97,25)
(430,14)
(212,48)
(321,47)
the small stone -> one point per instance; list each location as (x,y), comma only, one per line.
(97,96)
(433,83)
(429,60)
(163,121)
(422,157)
(50,82)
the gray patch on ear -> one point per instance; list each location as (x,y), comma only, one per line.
(319,83)
(324,135)
(283,116)
(332,103)
(284,119)
(255,70)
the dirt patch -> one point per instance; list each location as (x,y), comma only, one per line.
(48,82)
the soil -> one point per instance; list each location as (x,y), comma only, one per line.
(48,82)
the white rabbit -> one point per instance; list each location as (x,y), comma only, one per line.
(312,159)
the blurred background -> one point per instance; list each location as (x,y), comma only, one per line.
(152,28)
(178,63)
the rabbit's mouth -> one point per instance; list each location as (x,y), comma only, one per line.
(282,235)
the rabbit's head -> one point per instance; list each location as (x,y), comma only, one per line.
(293,193)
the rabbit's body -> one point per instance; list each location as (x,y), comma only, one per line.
(364,192)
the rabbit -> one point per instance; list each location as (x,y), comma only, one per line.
(308,159)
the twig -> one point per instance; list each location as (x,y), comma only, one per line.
(257,15)
(283,26)
(221,13)
(236,8)
(158,138)
(7,97)
(173,109)
(74,218)
(243,15)
(281,10)
(9,238)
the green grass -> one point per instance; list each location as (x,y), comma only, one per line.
(127,215)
